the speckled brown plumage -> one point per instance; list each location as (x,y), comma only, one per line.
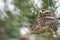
(45,20)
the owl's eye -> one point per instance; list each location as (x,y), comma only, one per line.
(46,13)
(40,12)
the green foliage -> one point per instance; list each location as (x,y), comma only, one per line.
(14,22)
(47,3)
(25,10)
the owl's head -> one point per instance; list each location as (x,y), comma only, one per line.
(44,12)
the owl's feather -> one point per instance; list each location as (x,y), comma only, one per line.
(47,21)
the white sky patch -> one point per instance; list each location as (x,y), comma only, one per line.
(11,7)
(3,15)
(58,31)
(38,3)
(58,12)
(35,1)
(1,5)
(24,31)
(8,6)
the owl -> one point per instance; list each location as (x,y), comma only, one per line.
(46,20)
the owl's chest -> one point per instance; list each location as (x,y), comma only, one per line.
(44,21)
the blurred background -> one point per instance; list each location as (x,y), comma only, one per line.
(18,16)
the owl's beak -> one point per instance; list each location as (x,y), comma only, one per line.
(42,14)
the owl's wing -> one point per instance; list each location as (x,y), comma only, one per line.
(36,26)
